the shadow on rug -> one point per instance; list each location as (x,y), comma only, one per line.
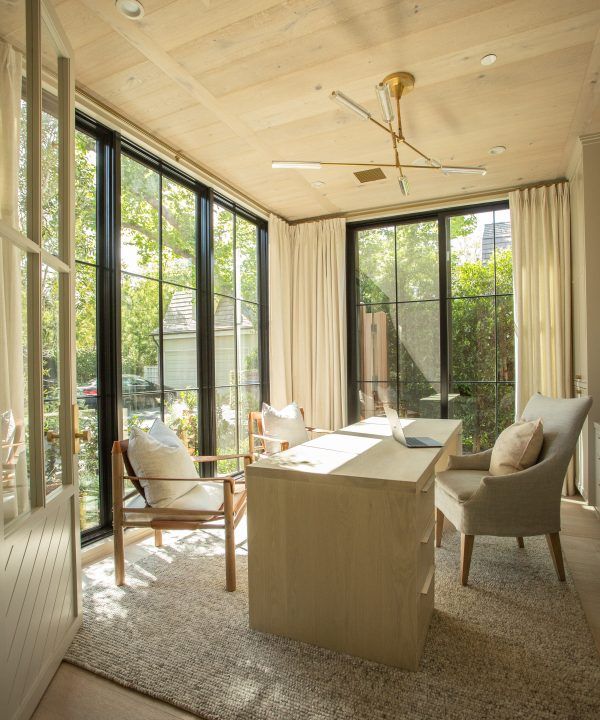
(515,644)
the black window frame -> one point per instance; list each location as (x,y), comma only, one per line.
(442,217)
(110,148)
(261,303)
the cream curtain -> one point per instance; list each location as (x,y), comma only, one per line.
(540,220)
(12,402)
(307,304)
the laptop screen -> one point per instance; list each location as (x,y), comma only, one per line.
(394,421)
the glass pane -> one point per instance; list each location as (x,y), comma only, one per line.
(140,204)
(51,378)
(246,251)
(223,251)
(89,472)
(178,234)
(247,343)
(13,16)
(417,260)
(226,402)
(139,348)
(87,393)
(473,339)
(85,197)
(506,406)
(179,338)
(419,400)
(419,342)
(85,331)
(503,237)
(373,397)
(50,150)
(225,371)
(471,240)
(14,398)
(475,405)
(376,265)
(505,331)
(181,415)
(249,401)
(377,342)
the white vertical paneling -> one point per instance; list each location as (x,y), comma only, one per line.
(40,613)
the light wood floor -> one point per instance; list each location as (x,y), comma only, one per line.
(76,694)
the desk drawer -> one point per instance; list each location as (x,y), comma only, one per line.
(425,505)
(425,606)
(425,555)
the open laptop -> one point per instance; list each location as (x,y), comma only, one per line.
(409,441)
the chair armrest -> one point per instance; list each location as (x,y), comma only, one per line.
(271,438)
(523,503)
(221,478)
(214,458)
(476,461)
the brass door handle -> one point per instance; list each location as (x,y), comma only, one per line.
(84,435)
(52,436)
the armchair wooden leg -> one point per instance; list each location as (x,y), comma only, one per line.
(158,539)
(466,550)
(520,542)
(439,527)
(119,553)
(229,536)
(553,540)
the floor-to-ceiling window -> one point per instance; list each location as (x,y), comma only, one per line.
(237,322)
(89,388)
(159,341)
(169,319)
(431,324)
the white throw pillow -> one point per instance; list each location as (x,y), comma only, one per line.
(517,448)
(286,424)
(160,453)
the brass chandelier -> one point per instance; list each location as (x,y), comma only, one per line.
(389,93)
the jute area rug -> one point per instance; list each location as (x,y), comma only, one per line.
(514,644)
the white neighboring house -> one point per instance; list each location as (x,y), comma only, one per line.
(179,340)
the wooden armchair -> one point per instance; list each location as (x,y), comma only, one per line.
(258,440)
(185,513)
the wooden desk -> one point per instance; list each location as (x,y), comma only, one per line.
(340,540)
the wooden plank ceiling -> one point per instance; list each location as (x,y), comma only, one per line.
(235,84)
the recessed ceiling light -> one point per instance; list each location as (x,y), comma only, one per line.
(497,150)
(488,59)
(132,9)
(318,184)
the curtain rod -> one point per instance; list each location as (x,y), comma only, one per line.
(434,204)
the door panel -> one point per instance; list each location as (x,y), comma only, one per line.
(40,598)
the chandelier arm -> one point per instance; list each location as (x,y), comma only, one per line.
(386,165)
(382,126)
(400,136)
(412,147)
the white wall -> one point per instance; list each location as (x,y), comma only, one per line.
(584,179)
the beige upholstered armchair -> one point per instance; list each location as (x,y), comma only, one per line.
(519,505)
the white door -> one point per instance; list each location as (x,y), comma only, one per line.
(39,518)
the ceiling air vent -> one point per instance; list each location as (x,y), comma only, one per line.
(370,175)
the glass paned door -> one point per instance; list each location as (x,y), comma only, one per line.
(39,519)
